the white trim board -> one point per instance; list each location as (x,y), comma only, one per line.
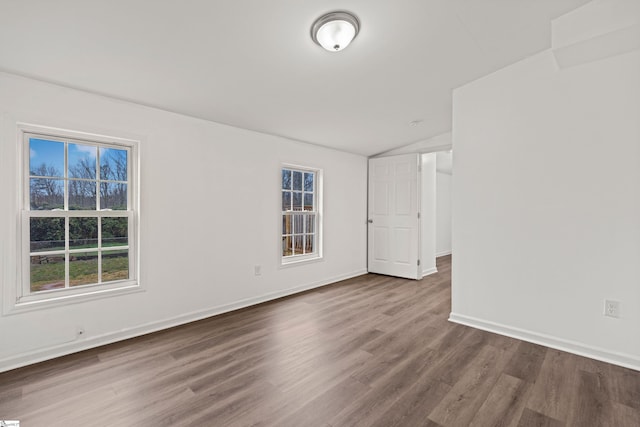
(429,271)
(621,359)
(64,349)
(443,253)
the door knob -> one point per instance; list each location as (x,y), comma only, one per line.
(370,221)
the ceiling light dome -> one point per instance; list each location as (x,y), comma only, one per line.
(335,30)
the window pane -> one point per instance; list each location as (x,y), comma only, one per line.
(115,265)
(47,234)
(308,181)
(82,195)
(46,194)
(83,233)
(115,232)
(46,158)
(113,164)
(297,201)
(297,245)
(311,224)
(286,246)
(286,200)
(83,268)
(298,224)
(287,224)
(113,196)
(82,161)
(308,201)
(47,272)
(297,181)
(308,244)
(286,179)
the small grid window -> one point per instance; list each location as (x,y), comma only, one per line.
(300,214)
(78,216)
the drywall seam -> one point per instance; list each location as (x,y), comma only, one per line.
(598,48)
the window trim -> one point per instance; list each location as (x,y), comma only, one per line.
(20,298)
(293,260)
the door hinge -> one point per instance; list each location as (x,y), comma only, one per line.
(418,214)
(418,262)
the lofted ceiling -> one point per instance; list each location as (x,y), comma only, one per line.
(252,63)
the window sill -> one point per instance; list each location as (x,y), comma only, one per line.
(27,304)
(285,262)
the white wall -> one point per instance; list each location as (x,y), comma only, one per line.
(546,204)
(443,203)
(209,212)
(428,214)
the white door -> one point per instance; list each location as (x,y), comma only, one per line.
(394,223)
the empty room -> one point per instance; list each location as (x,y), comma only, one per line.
(338,213)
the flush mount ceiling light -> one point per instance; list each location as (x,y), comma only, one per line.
(335,30)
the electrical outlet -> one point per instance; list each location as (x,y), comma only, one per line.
(257,270)
(612,308)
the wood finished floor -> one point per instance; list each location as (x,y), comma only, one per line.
(369,351)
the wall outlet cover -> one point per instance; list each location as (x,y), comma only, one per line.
(612,308)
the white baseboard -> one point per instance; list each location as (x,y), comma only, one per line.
(443,253)
(621,359)
(39,355)
(429,271)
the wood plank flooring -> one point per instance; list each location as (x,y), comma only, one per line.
(369,351)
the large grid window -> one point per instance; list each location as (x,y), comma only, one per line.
(78,216)
(300,214)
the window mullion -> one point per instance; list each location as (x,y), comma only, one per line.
(66,252)
(98,179)
(131,182)
(100,249)
(26,254)
(26,173)
(65,175)
(316,216)
(131,243)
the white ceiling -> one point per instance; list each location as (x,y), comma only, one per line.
(252,63)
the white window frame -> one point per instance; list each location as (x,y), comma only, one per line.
(291,260)
(24,299)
